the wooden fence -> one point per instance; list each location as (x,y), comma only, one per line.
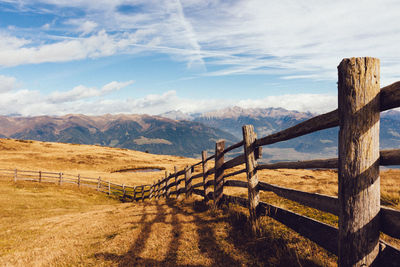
(361,218)
(124,192)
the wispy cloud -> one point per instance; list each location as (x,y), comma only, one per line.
(291,38)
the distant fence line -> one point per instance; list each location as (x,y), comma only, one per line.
(361,218)
(121,191)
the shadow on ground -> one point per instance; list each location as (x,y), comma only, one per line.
(267,250)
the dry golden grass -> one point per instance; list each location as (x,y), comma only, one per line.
(89,161)
(47,225)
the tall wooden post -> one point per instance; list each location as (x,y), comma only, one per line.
(109,188)
(15,175)
(188,181)
(79,180)
(40,176)
(249,137)
(98,183)
(204,164)
(219,173)
(166,184)
(60,178)
(176,181)
(359,182)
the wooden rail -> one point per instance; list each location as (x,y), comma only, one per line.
(360,103)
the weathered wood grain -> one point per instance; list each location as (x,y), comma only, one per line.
(323,234)
(199,175)
(249,137)
(167,178)
(234,173)
(390,221)
(205,176)
(359,182)
(234,162)
(307,164)
(232,147)
(188,181)
(235,183)
(176,180)
(219,173)
(390,96)
(316,201)
(389,157)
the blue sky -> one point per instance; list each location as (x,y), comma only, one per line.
(142,56)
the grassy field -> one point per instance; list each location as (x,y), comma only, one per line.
(47,225)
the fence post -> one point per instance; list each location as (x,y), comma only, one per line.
(152,189)
(359,182)
(15,175)
(109,188)
(188,181)
(249,137)
(98,183)
(79,180)
(219,173)
(204,164)
(176,181)
(134,194)
(158,188)
(40,176)
(60,179)
(166,184)
(142,193)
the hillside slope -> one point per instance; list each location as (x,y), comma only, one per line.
(87,160)
(157,135)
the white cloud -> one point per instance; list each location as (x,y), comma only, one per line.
(83,26)
(13,52)
(86,100)
(115,86)
(81,92)
(7,83)
(46,26)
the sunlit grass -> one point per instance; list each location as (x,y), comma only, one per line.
(45,224)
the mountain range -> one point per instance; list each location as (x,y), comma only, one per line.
(321,144)
(153,134)
(178,133)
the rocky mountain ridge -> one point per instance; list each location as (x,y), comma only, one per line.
(139,132)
